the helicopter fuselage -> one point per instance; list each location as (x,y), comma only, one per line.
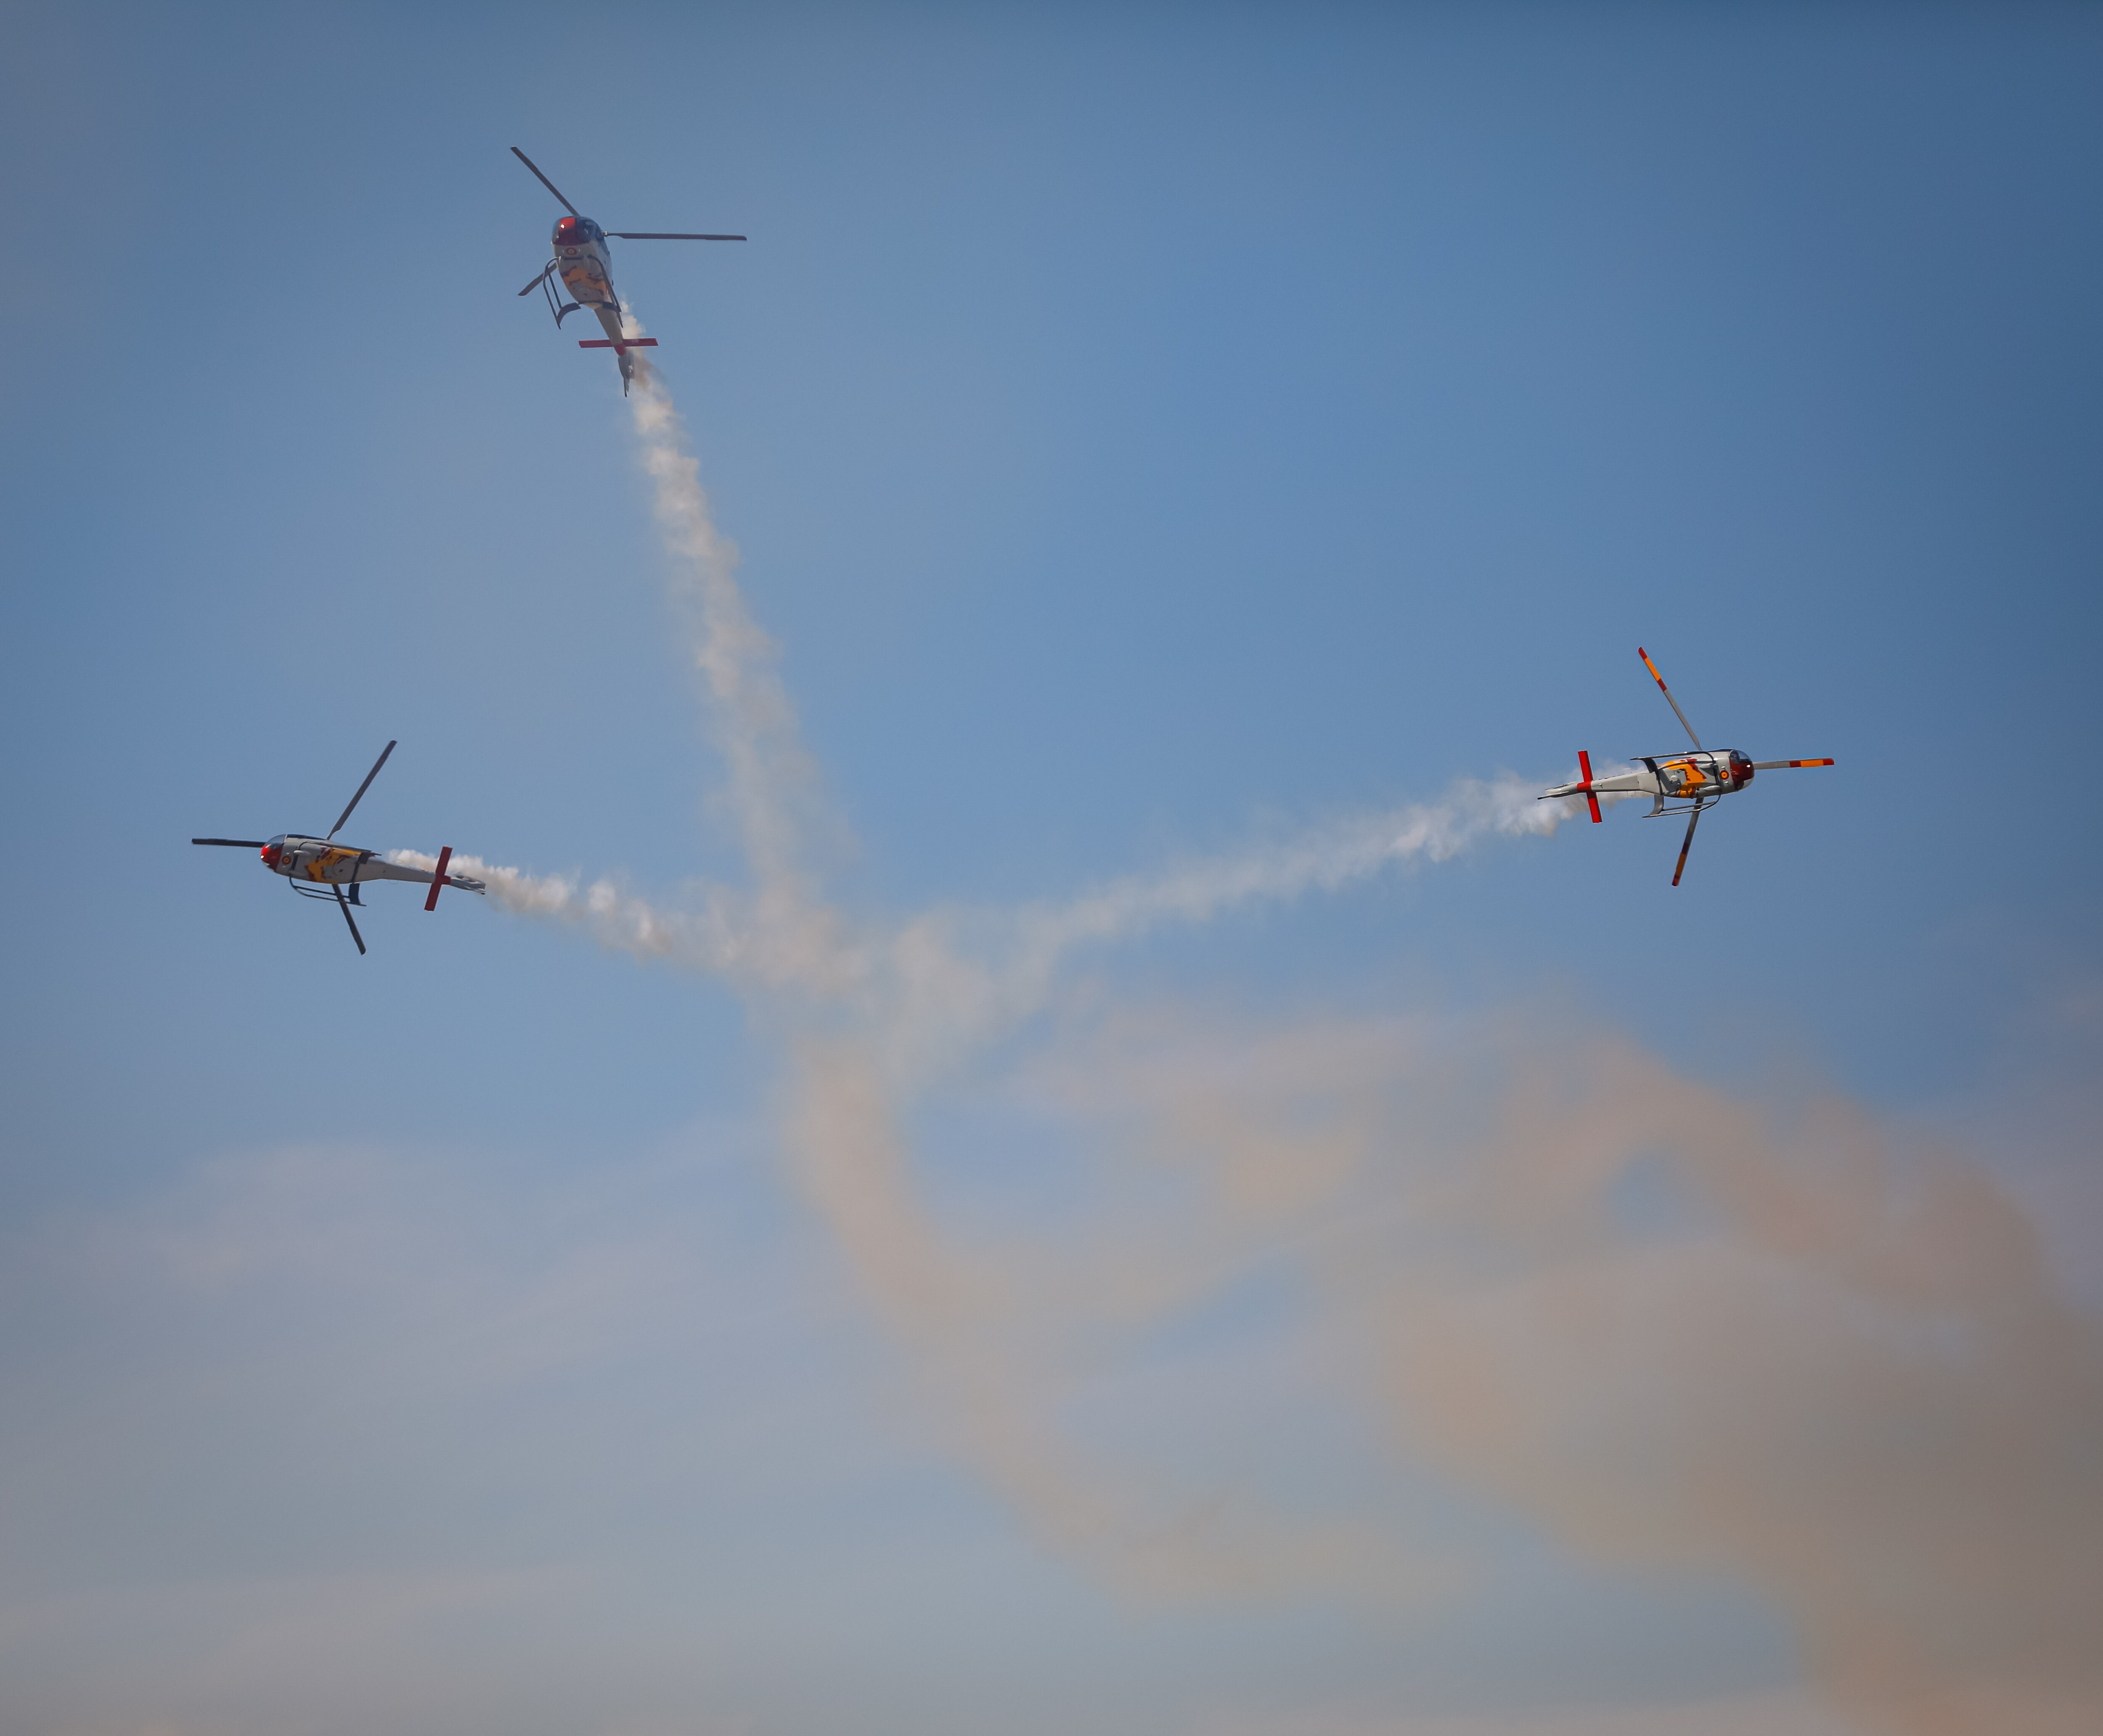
(584,263)
(585,266)
(323,863)
(1701,776)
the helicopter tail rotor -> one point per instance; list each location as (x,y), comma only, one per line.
(1591,800)
(439,878)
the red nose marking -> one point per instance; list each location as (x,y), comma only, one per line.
(271,852)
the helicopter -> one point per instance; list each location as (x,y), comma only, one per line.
(310,863)
(585,267)
(1693,780)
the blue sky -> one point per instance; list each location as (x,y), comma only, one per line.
(1151,433)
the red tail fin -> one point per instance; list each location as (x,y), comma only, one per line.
(1584,766)
(439,879)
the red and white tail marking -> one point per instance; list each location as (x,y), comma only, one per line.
(1584,766)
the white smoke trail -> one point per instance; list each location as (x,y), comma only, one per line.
(929,991)
(1325,860)
(991,966)
(704,938)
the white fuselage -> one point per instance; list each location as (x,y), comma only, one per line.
(1699,776)
(325,864)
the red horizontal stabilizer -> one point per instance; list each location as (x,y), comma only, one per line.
(616,343)
(1584,766)
(438,879)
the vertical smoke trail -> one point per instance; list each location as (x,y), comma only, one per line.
(792,940)
(843,1107)
(871,1019)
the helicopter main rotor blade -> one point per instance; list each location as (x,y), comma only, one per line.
(651,235)
(1669,699)
(360,795)
(546,183)
(232,843)
(539,280)
(1786,764)
(1686,844)
(344,906)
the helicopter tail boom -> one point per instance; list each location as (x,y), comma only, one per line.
(379,868)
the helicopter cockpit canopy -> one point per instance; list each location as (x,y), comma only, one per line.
(574,232)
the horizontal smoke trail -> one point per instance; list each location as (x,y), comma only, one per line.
(703,939)
(1013,956)
(1470,812)
(1325,860)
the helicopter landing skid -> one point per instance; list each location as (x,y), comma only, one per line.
(562,310)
